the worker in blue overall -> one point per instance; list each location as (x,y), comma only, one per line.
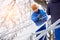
(39,17)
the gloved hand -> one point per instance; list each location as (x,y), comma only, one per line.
(43,17)
(39,16)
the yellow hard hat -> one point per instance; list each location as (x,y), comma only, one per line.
(34,7)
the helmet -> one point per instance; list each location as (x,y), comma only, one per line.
(34,7)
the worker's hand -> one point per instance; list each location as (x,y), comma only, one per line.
(39,16)
(44,18)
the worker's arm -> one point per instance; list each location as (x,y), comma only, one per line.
(44,16)
(34,18)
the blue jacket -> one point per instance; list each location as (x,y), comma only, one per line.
(36,19)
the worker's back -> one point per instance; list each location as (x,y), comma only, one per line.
(53,9)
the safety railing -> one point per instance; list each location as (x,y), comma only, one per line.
(51,27)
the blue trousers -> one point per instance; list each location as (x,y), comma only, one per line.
(57,33)
(42,28)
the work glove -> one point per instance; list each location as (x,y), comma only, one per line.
(39,16)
